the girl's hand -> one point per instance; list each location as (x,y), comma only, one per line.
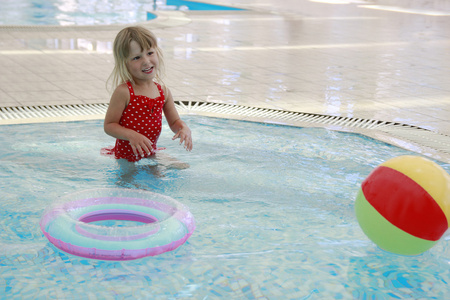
(184,134)
(180,128)
(140,144)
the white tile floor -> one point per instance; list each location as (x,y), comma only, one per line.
(299,55)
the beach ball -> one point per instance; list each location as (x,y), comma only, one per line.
(403,206)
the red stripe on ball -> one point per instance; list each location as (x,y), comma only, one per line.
(404,203)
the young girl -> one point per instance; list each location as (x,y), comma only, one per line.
(134,116)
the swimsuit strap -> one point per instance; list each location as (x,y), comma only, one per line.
(130,87)
(161,91)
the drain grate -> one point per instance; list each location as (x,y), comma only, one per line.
(48,113)
(283,115)
(410,137)
(413,138)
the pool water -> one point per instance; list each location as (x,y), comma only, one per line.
(91,12)
(273,207)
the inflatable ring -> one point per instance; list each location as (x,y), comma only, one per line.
(163,224)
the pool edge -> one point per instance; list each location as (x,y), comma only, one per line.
(419,140)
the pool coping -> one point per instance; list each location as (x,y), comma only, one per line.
(419,140)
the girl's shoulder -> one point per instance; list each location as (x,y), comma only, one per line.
(121,94)
(122,87)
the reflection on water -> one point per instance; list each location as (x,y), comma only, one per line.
(390,276)
(155,167)
(78,44)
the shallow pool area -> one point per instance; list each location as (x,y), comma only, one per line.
(97,12)
(273,207)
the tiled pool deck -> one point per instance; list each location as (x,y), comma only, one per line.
(335,59)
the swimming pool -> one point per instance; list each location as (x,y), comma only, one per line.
(273,207)
(91,12)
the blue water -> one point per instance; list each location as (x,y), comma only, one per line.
(188,5)
(195,5)
(273,207)
(91,12)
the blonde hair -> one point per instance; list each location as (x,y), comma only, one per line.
(121,51)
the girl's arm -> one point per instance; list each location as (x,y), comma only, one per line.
(180,128)
(119,101)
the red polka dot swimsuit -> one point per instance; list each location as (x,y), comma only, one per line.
(143,115)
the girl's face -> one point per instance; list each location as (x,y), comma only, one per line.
(142,63)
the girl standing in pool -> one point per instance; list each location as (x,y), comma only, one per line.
(134,115)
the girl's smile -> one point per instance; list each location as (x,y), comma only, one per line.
(148,70)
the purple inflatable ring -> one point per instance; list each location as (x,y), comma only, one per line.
(164,224)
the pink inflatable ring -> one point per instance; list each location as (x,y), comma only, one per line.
(68,224)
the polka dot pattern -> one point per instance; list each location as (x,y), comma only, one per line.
(143,115)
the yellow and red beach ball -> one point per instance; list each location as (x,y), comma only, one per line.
(403,206)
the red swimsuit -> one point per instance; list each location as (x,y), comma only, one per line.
(143,115)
